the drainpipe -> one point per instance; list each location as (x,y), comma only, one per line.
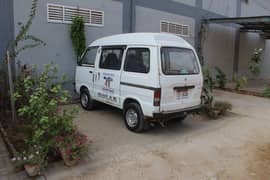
(132,15)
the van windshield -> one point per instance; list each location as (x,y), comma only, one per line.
(178,61)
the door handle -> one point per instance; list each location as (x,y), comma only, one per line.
(90,72)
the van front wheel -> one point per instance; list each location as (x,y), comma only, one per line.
(86,101)
(134,118)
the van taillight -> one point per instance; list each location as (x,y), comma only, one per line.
(157,96)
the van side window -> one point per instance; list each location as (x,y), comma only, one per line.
(111,59)
(90,56)
(137,60)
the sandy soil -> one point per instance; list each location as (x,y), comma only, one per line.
(234,147)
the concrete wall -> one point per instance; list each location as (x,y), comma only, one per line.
(225,8)
(219,48)
(255,8)
(250,41)
(143,25)
(59,49)
(6,25)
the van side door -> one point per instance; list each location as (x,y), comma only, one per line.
(108,73)
(85,71)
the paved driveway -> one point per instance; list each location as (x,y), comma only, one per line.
(234,147)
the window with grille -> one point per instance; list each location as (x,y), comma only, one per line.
(174,28)
(64,14)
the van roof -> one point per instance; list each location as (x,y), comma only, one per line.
(150,39)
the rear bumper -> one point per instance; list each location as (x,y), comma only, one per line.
(175,114)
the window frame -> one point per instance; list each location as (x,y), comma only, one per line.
(117,47)
(161,63)
(125,60)
(84,54)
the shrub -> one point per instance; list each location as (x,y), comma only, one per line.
(240,83)
(221,79)
(217,108)
(266,91)
(41,108)
(71,145)
(77,36)
(208,86)
(254,63)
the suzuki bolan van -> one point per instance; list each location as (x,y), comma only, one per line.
(150,76)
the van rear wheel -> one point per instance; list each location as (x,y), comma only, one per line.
(86,101)
(134,118)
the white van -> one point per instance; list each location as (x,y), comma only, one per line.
(150,76)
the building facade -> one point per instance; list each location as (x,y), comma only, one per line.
(107,17)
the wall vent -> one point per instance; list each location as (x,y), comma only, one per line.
(64,14)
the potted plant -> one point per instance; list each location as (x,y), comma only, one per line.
(33,161)
(72,146)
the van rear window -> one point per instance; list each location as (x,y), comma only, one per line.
(178,61)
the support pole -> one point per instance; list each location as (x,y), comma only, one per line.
(11,88)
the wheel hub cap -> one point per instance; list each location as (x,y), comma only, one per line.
(84,100)
(132,118)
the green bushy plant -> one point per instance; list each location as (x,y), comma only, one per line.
(221,79)
(77,35)
(41,109)
(240,82)
(266,91)
(254,63)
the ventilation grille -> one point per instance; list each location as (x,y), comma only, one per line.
(65,14)
(174,28)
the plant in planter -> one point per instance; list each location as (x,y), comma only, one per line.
(34,160)
(41,110)
(71,145)
(217,108)
(221,78)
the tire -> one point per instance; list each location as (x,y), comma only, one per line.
(131,111)
(86,101)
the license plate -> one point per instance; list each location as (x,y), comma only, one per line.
(182,94)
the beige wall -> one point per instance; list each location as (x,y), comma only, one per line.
(219,48)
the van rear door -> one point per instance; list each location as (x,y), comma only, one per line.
(180,79)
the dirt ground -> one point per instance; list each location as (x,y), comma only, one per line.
(234,147)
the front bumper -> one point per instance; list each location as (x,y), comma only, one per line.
(175,114)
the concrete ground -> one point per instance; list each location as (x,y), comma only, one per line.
(234,147)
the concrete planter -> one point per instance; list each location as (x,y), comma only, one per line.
(67,159)
(32,170)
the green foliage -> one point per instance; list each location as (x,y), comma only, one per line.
(34,156)
(72,145)
(240,82)
(208,86)
(41,107)
(23,37)
(217,108)
(221,79)
(266,91)
(254,63)
(77,35)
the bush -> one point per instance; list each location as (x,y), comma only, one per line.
(254,63)
(240,83)
(266,91)
(221,79)
(41,96)
(217,108)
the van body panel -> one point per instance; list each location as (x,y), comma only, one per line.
(114,87)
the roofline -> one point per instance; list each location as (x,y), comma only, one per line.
(238,19)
